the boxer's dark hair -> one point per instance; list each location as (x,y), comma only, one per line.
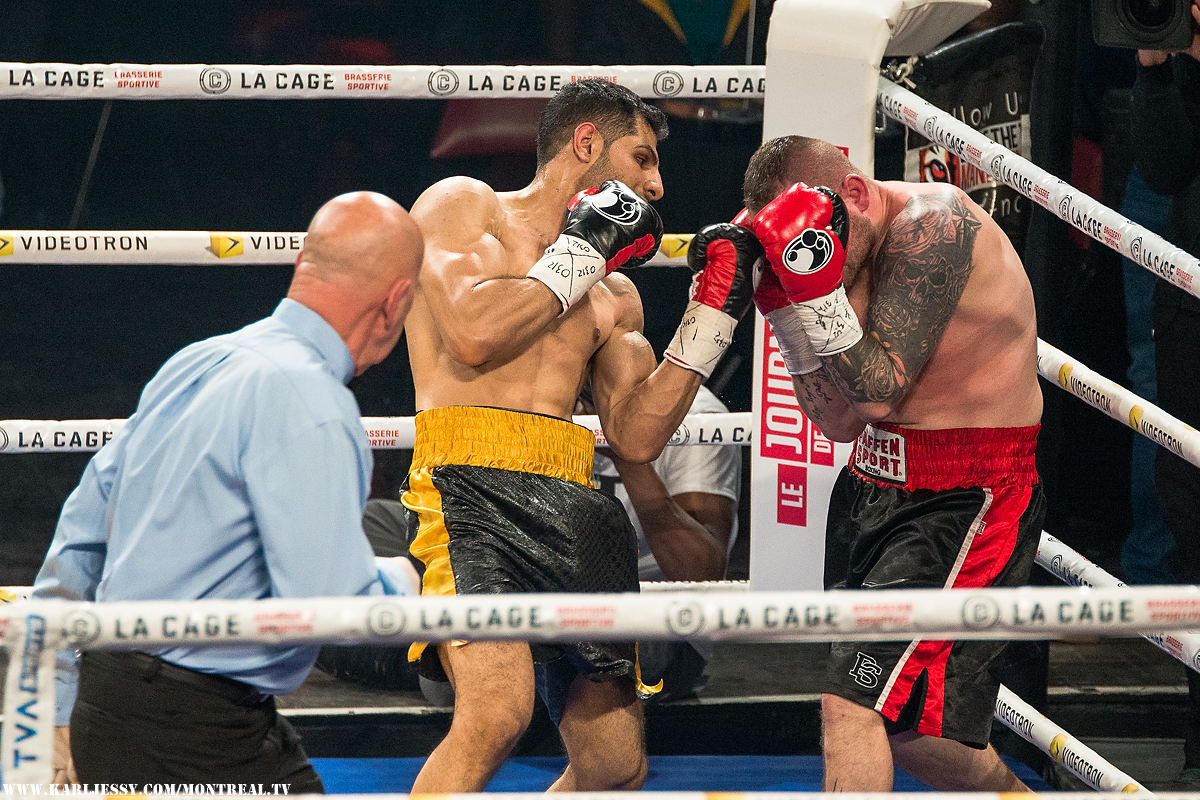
(612,108)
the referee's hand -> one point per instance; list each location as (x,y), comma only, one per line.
(60,762)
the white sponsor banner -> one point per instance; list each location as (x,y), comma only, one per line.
(792,474)
(1118,402)
(384,433)
(1083,762)
(55,81)
(56,436)
(1073,568)
(188,248)
(1068,203)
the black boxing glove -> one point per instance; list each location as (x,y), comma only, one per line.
(724,257)
(607,227)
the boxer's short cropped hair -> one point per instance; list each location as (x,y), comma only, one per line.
(612,108)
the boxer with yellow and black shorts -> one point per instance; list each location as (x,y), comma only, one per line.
(929,509)
(503,502)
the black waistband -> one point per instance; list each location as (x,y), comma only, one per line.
(152,668)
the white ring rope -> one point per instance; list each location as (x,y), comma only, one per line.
(690,586)
(383,433)
(1052,739)
(795,616)
(51,436)
(1133,241)
(1075,569)
(58,81)
(202,81)
(33,630)
(201,248)
(1119,403)
(1011,710)
(78,625)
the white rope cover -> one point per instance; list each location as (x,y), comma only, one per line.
(201,81)
(33,630)
(694,586)
(884,615)
(200,248)
(1081,760)
(1133,241)
(1075,569)
(57,81)
(19,436)
(1014,712)
(1118,402)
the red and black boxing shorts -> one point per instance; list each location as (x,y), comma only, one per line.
(919,509)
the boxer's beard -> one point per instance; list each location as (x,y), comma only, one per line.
(863,234)
(598,173)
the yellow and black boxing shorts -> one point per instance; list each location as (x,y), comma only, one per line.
(504,503)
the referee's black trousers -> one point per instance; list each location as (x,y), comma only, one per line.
(139,719)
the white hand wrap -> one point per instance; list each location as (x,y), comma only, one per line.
(570,267)
(794,347)
(830,322)
(702,337)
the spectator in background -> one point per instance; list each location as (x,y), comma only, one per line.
(1147,552)
(683,506)
(1165,127)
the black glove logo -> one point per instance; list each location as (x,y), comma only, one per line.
(614,202)
(808,252)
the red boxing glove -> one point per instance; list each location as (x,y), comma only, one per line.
(804,232)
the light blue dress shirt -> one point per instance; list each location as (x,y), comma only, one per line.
(242,475)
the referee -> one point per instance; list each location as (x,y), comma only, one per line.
(243,476)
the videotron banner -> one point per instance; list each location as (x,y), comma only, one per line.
(177,248)
(313,81)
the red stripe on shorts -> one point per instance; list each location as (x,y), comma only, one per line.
(988,549)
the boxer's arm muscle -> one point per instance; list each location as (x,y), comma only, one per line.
(639,404)
(920,274)
(482,309)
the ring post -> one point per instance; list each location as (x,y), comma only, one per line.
(823,60)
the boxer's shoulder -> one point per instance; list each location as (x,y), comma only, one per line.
(455,205)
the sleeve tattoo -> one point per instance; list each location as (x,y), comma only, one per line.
(920,274)
(817,394)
